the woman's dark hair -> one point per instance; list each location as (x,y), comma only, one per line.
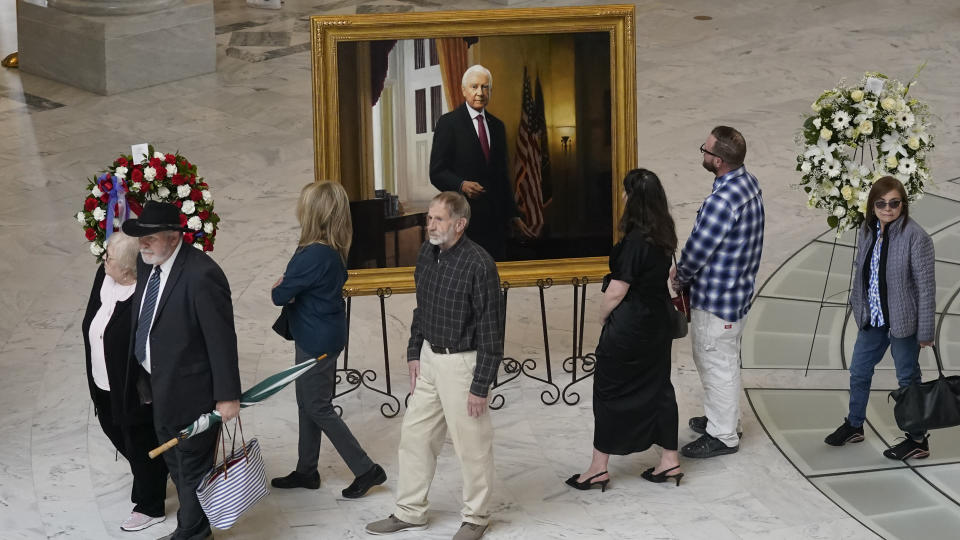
(880,188)
(647,210)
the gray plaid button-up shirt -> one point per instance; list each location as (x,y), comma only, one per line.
(459,307)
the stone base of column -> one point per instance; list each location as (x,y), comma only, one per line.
(116,53)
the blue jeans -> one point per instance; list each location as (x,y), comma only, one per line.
(871,344)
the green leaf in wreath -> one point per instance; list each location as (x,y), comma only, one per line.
(833,222)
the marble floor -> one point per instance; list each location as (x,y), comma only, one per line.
(755,65)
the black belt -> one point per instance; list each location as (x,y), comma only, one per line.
(446,350)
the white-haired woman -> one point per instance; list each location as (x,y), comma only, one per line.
(112,377)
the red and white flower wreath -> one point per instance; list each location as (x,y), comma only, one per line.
(123,187)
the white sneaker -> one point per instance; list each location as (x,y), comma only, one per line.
(139,522)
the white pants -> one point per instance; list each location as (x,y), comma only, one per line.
(438,406)
(716,352)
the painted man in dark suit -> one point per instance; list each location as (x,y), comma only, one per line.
(469,155)
(186,345)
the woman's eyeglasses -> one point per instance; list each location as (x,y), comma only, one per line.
(882,204)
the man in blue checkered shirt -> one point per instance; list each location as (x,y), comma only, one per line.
(719,267)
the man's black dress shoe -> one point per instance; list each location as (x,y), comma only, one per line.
(297,480)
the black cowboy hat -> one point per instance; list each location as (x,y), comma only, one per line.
(156,217)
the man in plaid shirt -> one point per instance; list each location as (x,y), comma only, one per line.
(455,349)
(719,266)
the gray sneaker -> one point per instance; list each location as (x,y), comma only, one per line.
(393,525)
(470,531)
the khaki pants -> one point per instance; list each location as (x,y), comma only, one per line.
(439,405)
(716,352)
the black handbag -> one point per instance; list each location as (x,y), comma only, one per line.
(928,405)
(282,325)
(678,308)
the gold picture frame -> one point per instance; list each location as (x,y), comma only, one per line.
(617,21)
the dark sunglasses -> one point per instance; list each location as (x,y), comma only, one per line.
(881,204)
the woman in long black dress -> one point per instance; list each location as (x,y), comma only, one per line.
(634,404)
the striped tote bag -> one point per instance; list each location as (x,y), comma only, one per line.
(234,486)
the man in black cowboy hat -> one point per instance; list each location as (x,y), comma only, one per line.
(185,342)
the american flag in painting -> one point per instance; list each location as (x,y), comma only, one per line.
(528,162)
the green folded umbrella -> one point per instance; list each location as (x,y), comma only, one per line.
(255,394)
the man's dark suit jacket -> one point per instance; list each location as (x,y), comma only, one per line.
(456,156)
(193,344)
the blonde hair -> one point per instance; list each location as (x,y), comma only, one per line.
(324,215)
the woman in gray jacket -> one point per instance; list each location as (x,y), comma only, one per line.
(893,300)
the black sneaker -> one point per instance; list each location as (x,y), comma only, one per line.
(297,480)
(361,484)
(845,434)
(699,425)
(707,446)
(909,448)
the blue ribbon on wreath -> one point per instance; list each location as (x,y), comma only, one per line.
(117,193)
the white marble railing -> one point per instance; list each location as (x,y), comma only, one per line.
(112,7)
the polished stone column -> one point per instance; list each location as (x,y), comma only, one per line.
(156,41)
(112,7)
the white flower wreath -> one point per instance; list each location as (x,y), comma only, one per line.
(855,136)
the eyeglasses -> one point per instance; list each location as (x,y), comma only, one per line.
(882,204)
(705,151)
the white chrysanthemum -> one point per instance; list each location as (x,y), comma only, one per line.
(120,172)
(208,228)
(905,119)
(149,173)
(841,120)
(832,168)
(81,218)
(188,207)
(159,155)
(96,191)
(171,169)
(96,248)
(207,197)
(99,214)
(195,223)
(163,192)
(907,166)
(183,191)
(198,245)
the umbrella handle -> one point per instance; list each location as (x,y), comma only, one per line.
(163,447)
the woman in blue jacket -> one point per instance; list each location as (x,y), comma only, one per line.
(312,288)
(893,300)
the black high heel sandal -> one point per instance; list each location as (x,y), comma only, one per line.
(662,476)
(588,484)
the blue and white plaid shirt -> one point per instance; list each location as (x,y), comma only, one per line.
(873,292)
(722,255)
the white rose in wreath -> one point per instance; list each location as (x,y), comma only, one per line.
(188,207)
(866,127)
(208,228)
(839,211)
(207,197)
(171,169)
(195,223)
(81,218)
(120,171)
(96,192)
(856,96)
(183,191)
(892,161)
(95,249)
(805,167)
(159,155)
(99,214)
(149,173)
(163,192)
(825,134)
